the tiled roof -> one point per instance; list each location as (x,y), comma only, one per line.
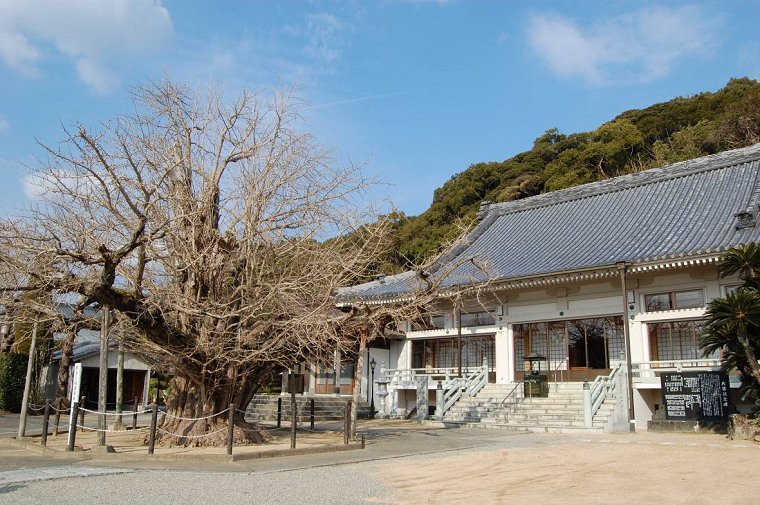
(682,210)
(87,343)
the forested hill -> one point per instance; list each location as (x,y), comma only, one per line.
(681,129)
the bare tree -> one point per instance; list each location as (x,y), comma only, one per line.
(203,223)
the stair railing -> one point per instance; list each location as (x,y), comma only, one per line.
(512,394)
(603,387)
(471,385)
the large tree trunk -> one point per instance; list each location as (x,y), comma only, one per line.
(750,355)
(358,382)
(67,350)
(199,418)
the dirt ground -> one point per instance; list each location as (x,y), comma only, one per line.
(639,468)
(127,442)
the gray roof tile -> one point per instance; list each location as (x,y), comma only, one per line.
(684,209)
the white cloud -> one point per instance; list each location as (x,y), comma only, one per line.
(640,46)
(37,185)
(4,124)
(97,35)
(325,40)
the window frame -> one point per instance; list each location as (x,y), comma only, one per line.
(673,299)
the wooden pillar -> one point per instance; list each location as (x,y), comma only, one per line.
(459,339)
(626,334)
(120,383)
(336,372)
(28,383)
(103,379)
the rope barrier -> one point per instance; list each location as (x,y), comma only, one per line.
(111,431)
(114,414)
(191,436)
(170,416)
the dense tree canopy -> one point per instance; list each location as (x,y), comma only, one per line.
(681,129)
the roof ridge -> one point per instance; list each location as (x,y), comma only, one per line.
(650,176)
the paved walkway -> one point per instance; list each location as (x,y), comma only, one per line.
(54,472)
(360,477)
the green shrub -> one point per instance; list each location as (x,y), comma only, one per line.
(12,375)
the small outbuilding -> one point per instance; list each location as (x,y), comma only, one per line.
(137,370)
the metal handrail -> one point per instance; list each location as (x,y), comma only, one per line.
(513,405)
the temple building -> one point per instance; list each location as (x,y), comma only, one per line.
(570,276)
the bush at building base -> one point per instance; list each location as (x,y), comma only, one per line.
(12,375)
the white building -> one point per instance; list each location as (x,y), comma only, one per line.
(86,351)
(568,272)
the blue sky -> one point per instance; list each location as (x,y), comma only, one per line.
(417,89)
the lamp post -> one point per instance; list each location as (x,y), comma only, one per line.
(372,365)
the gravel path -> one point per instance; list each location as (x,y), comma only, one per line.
(337,478)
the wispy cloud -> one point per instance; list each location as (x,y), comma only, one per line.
(749,58)
(359,99)
(639,46)
(4,124)
(96,36)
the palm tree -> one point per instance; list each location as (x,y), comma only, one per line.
(733,322)
(744,260)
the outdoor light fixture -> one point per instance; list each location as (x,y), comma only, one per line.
(536,382)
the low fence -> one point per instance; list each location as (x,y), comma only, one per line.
(77,423)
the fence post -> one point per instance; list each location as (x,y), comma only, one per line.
(293,425)
(45,424)
(231,429)
(81,412)
(153,419)
(58,416)
(72,426)
(588,419)
(134,416)
(347,422)
(279,412)
(311,417)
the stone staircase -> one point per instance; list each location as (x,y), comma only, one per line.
(561,412)
(326,408)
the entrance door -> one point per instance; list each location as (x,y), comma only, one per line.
(324,384)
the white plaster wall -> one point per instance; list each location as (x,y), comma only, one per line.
(502,354)
(131,362)
(396,355)
(644,401)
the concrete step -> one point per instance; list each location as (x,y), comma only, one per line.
(532,429)
(264,408)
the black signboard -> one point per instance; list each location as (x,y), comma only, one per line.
(695,396)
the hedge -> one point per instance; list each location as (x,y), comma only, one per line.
(12,376)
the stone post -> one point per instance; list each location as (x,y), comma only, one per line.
(422,399)
(439,402)
(588,418)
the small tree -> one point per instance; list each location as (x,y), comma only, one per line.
(733,322)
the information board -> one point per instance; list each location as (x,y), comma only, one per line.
(76,382)
(695,396)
